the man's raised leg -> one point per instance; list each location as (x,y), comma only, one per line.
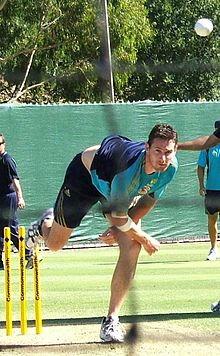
(58,236)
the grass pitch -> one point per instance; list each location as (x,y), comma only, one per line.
(176,285)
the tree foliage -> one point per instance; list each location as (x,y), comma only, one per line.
(178,64)
(51,50)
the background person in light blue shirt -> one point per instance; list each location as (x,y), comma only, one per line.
(209,167)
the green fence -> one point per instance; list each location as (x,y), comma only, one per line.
(43,140)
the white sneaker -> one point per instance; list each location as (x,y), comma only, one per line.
(33,238)
(111,330)
(213,254)
(215,307)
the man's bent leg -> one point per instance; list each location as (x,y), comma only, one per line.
(46,227)
(57,236)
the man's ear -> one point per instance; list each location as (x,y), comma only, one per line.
(147,146)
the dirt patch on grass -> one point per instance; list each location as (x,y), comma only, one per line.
(155,338)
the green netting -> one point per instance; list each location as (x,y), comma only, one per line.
(43,140)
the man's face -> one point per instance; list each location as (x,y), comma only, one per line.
(159,155)
(2,146)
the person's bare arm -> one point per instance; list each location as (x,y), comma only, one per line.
(143,206)
(200,143)
(150,244)
(201,175)
(110,236)
(134,231)
(17,188)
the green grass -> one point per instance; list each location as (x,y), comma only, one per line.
(176,284)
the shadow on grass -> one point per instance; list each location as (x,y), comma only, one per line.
(123,318)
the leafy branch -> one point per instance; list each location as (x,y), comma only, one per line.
(21,89)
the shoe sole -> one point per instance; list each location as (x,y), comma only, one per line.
(112,341)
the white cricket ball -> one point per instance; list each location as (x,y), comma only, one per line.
(203,27)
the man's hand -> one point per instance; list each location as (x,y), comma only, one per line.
(109,236)
(151,245)
(21,203)
(202,192)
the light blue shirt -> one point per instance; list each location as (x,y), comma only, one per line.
(118,171)
(211,159)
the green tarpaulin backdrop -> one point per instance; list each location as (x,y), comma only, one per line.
(43,140)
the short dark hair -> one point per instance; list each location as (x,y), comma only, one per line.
(217,124)
(163,131)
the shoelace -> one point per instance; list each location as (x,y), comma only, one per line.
(113,325)
(110,324)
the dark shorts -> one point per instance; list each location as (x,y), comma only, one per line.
(76,196)
(212,201)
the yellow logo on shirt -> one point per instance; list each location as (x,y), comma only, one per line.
(147,187)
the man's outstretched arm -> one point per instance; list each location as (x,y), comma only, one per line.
(200,143)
